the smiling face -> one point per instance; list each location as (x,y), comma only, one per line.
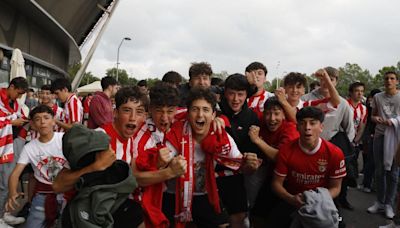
(235,99)
(310,130)
(273,118)
(294,92)
(201,115)
(44,123)
(163,117)
(128,118)
(46,97)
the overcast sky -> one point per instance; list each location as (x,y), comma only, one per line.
(302,35)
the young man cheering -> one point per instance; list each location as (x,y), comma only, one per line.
(195,194)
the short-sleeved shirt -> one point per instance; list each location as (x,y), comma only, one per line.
(256,103)
(47,159)
(388,107)
(73,110)
(286,133)
(307,170)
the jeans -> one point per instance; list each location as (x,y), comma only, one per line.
(36,215)
(5,172)
(386,181)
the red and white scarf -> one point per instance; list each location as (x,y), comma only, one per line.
(7,114)
(216,148)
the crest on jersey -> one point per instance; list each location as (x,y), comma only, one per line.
(322,164)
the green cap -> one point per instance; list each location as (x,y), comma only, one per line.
(80,141)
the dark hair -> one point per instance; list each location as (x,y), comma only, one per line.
(271,103)
(355,85)
(332,72)
(237,82)
(129,93)
(172,77)
(40,109)
(200,68)
(108,81)
(313,85)
(60,84)
(294,78)
(201,93)
(142,83)
(373,92)
(217,82)
(31,90)
(163,94)
(46,87)
(256,66)
(310,112)
(391,72)
(20,83)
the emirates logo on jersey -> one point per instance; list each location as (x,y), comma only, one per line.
(322,164)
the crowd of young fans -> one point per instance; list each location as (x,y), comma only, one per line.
(229,154)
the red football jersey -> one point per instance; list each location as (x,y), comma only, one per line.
(312,169)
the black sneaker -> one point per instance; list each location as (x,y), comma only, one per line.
(24,211)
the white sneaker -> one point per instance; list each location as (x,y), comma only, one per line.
(389,211)
(12,220)
(366,189)
(377,207)
(4,224)
(391,225)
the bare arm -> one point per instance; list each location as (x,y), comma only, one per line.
(177,167)
(13,185)
(268,150)
(333,93)
(66,178)
(360,132)
(277,186)
(334,186)
(290,112)
(64,125)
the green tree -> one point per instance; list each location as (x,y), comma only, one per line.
(352,72)
(88,78)
(123,77)
(377,82)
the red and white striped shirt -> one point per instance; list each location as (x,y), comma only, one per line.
(147,137)
(7,114)
(123,147)
(323,104)
(360,114)
(256,102)
(73,110)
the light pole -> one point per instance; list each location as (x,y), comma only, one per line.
(125,38)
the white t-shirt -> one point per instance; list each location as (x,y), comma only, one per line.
(47,159)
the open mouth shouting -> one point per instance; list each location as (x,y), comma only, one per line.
(130,128)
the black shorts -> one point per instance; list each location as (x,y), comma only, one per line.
(203,213)
(233,193)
